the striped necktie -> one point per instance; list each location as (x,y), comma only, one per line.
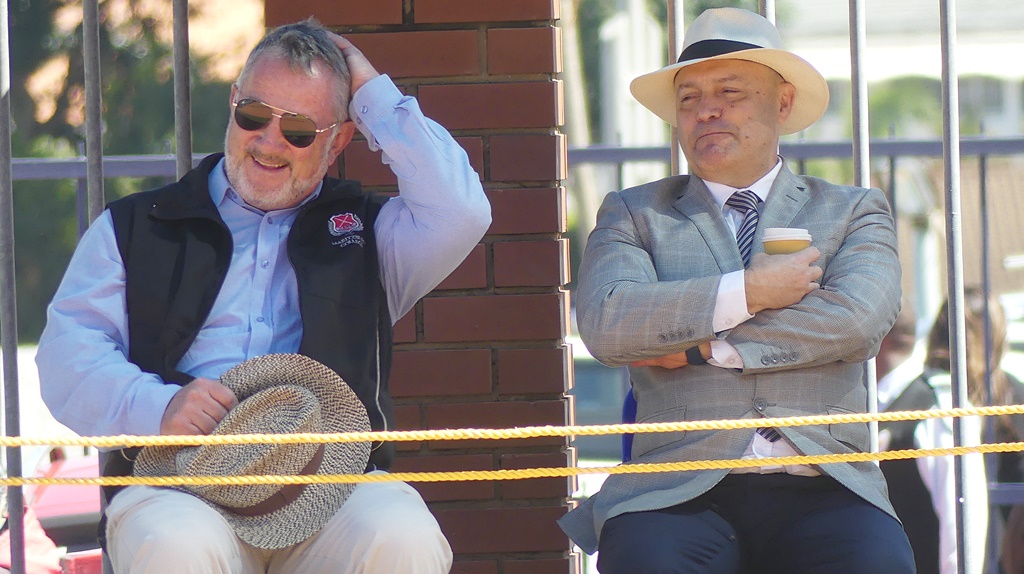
(745,202)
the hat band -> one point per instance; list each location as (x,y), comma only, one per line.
(711,48)
(288,493)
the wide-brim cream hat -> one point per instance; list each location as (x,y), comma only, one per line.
(277,394)
(736,34)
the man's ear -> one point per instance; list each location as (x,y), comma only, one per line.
(342,138)
(787,93)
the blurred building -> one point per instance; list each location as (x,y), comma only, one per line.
(903,49)
(632,43)
(903,40)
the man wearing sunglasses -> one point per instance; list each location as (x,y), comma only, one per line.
(254,252)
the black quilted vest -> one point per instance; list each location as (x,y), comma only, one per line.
(176,250)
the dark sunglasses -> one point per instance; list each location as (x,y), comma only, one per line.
(297,129)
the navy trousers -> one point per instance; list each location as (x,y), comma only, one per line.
(759,524)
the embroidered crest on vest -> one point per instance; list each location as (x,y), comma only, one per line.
(346,226)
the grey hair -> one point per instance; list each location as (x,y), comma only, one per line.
(302,45)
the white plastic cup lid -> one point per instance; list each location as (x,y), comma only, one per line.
(778,233)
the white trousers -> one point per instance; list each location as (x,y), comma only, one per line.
(383,528)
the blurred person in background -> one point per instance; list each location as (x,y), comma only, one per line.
(922,489)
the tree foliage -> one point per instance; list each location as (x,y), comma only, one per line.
(136,68)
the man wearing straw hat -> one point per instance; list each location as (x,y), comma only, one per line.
(674,283)
(256,295)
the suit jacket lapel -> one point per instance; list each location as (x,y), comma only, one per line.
(696,204)
(787,198)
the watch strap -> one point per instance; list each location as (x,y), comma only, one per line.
(694,357)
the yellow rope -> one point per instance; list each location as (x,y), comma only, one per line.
(514,474)
(501,434)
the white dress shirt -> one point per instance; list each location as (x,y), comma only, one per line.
(731,310)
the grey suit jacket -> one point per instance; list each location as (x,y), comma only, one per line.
(647,287)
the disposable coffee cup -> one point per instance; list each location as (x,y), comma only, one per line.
(783,240)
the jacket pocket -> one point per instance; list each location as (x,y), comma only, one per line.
(853,435)
(645,443)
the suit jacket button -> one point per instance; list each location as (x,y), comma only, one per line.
(765,359)
(793,355)
(662,338)
(689,333)
(775,359)
(760,403)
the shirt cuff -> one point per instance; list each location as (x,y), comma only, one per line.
(730,303)
(724,355)
(151,409)
(372,102)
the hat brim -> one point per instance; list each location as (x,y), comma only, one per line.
(657,92)
(341,411)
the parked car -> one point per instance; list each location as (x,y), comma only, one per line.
(68,513)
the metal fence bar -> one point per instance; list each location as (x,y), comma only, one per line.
(986,288)
(182,90)
(81,196)
(8,306)
(972,145)
(862,168)
(676,27)
(1000,493)
(164,165)
(93,128)
(93,106)
(859,88)
(890,190)
(113,166)
(954,257)
(991,461)
(801,150)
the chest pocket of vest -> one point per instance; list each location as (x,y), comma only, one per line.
(341,275)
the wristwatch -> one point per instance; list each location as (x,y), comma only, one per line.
(693,356)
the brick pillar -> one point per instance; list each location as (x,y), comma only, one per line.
(486,348)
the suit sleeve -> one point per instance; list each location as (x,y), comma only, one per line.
(624,313)
(847,317)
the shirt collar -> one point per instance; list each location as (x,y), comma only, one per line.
(218,183)
(761,187)
(221,190)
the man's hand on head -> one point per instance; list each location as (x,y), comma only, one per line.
(197,408)
(778,281)
(358,66)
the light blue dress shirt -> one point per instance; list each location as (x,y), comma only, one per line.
(440,214)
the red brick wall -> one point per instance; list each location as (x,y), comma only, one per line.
(486,348)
